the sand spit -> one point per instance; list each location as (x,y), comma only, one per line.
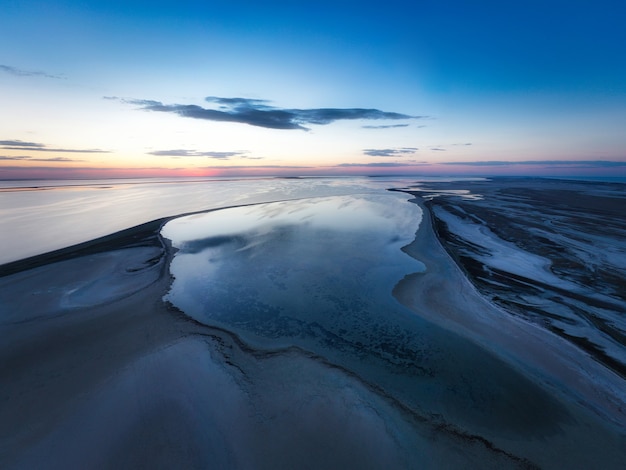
(104,374)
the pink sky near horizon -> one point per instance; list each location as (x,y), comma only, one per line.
(537,168)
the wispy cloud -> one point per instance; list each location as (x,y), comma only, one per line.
(387,126)
(31,159)
(438,149)
(377,164)
(26,73)
(256,112)
(61,150)
(551,163)
(195,153)
(392,152)
(36,147)
(253,167)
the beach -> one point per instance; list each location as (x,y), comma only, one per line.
(343,330)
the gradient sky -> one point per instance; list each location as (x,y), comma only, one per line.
(165,88)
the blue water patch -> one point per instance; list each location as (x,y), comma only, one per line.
(273,268)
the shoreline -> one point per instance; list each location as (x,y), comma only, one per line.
(146,234)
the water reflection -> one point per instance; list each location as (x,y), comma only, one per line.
(58,214)
(306,261)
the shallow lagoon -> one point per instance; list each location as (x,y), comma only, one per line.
(307,261)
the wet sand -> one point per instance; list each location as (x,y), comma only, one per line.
(104,374)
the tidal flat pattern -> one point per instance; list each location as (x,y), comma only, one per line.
(550,251)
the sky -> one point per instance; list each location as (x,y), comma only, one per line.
(100,89)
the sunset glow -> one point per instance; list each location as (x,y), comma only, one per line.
(116,89)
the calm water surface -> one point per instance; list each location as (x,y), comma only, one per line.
(41,216)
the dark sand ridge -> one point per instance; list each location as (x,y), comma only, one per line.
(134,382)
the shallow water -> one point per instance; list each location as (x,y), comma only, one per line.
(40,216)
(307,259)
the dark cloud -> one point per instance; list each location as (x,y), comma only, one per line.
(462,145)
(388,126)
(20,143)
(233,102)
(258,113)
(26,73)
(36,147)
(196,153)
(552,163)
(394,152)
(438,149)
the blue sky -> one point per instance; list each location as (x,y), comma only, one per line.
(426,87)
